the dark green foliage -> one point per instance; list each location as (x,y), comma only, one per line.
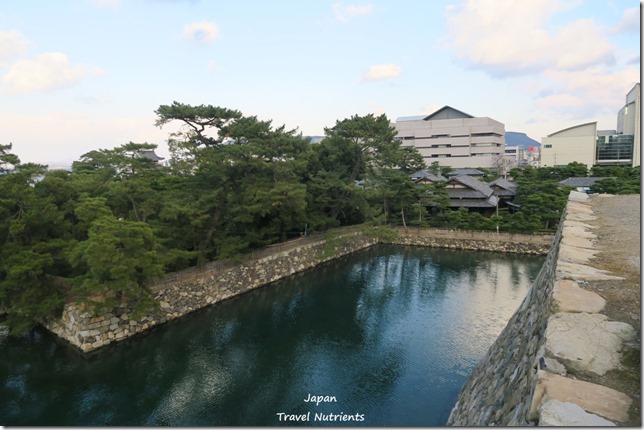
(619,180)
(102,233)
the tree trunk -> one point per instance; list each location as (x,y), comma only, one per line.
(402,212)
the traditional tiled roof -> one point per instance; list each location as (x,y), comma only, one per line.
(469,172)
(150,155)
(503,187)
(586,181)
(424,174)
(503,183)
(477,194)
(473,183)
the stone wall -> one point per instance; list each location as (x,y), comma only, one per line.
(475,240)
(524,377)
(201,288)
(181,293)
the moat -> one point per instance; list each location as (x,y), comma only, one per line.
(383,337)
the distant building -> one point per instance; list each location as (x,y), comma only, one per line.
(571,144)
(453,138)
(585,144)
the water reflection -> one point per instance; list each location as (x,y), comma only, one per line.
(391,332)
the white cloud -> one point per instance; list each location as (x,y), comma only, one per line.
(212,65)
(382,71)
(204,31)
(510,38)
(344,13)
(47,72)
(630,21)
(587,93)
(12,46)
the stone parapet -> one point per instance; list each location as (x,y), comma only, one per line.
(525,377)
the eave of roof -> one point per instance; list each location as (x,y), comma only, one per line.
(570,128)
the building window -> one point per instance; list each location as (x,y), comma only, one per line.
(547,146)
(616,147)
(485,134)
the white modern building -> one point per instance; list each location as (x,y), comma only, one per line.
(575,143)
(453,138)
(585,144)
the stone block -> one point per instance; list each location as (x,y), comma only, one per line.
(555,413)
(98,344)
(592,398)
(569,297)
(577,242)
(575,254)
(582,272)
(587,342)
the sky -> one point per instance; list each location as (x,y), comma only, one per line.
(80,75)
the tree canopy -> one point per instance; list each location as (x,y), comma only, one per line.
(101,233)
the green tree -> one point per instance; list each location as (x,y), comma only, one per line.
(33,243)
(117,261)
(542,199)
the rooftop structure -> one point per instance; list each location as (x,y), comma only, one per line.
(468,192)
(425,176)
(468,172)
(453,138)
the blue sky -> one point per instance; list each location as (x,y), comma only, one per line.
(77,75)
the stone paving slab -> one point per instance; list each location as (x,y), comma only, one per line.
(554,413)
(578,232)
(587,342)
(592,398)
(570,297)
(568,270)
(576,254)
(576,196)
(580,217)
(579,208)
(579,224)
(577,242)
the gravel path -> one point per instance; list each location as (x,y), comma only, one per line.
(618,239)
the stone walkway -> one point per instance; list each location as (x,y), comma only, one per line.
(591,372)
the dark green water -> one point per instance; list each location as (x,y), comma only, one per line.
(391,332)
